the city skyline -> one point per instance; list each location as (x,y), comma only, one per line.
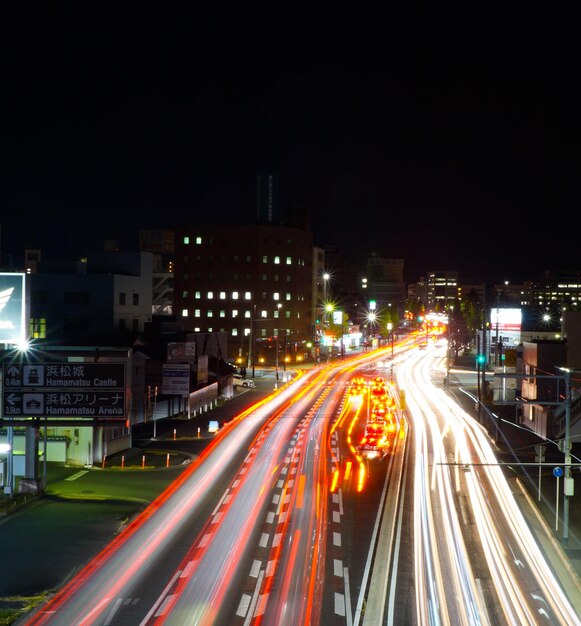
(450,148)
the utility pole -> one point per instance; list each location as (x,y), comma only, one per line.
(252,339)
(478,372)
(568,482)
(496,359)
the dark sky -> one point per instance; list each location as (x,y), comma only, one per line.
(449,139)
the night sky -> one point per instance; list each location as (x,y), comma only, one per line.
(449,139)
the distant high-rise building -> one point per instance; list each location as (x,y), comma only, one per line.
(268,199)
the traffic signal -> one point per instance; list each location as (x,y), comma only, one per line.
(480,359)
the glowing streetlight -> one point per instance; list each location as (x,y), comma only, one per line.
(279,306)
(326,279)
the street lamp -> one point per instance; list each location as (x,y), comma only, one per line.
(279,306)
(326,278)
(252,350)
(390,329)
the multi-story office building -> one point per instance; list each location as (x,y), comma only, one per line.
(254,282)
(555,292)
(442,290)
(107,294)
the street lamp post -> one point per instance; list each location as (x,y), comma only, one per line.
(390,329)
(279,306)
(496,362)
(276,362)
(449,347)
(252,339)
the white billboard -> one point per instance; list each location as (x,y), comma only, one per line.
(507,323)
(12,308)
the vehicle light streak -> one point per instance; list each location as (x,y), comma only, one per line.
(118,569)
(206,576)
(525,587)
(335,480)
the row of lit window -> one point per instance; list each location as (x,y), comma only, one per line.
(277,260)
(221,295)
(264,314)
(261,332)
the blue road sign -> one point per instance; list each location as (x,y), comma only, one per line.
(558,472)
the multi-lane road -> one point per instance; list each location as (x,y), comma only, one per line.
(283,520)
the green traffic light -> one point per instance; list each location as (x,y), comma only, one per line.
(480,359)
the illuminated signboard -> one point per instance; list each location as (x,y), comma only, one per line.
(12,308)
(507,324)
(507,319)
(64,390)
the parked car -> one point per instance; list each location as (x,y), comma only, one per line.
(242,382)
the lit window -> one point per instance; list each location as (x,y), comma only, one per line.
(222,313)
(247,314)
(197,329)
(234,332)
(234,295)
(185,313)
(265,259)
(198,241)
(263,314)
(264,277)
(222,295)
(38,328)
(210,313)
(247,295)
(289,260)
(197,313)
(184,294)
(288,296)
(186,241)
(246,332)
(210,295)
(277,260)
(197,295)
(235,313)
(276,295)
